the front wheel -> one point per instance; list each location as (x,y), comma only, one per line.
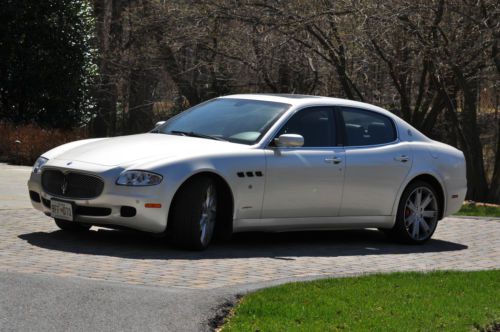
(418,214)
(71,226)
(194,212)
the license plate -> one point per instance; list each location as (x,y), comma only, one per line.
(61,210)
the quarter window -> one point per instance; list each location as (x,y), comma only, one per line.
(315,125)
(367,128)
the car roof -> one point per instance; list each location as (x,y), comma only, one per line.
(304,100)
(297,101)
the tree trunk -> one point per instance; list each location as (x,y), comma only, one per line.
(176,74)
(103,124)
(494,192)
(140,112)
(477,186)
(106,95)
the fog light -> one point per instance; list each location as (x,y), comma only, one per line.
(34,196)
(127,211)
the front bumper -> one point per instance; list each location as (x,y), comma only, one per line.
(107,208)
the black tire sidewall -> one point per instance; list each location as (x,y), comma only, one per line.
(184,225)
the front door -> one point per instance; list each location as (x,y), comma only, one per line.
(305,181)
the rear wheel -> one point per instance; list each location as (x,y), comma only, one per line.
(71,226)
(194,212)
(418,214)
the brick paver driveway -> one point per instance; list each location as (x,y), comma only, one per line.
(31,243)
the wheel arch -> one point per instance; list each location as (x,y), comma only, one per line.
(227,200)
(435,182)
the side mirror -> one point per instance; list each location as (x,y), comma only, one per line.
(159,123)
(289,141)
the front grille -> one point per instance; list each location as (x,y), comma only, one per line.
(71,184)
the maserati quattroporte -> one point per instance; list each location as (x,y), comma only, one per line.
(256,162)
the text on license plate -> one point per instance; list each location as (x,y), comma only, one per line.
(61,210)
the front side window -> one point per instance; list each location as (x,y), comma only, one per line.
(314,124)
(235,120)
(367,128)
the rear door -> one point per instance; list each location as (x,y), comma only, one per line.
(377,163)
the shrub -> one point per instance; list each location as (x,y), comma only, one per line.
(23,144)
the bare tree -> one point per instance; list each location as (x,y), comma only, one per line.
(430,60)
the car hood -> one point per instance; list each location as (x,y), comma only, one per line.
(125,150)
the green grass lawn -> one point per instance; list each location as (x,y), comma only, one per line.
(438,301)
(479,210)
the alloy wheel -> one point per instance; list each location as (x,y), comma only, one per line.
(421,213)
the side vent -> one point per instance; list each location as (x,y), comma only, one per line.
(249,174)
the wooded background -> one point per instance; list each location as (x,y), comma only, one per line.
(115,67)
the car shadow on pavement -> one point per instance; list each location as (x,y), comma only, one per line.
(128,244)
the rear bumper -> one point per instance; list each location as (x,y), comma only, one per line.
(107,208)
(455,200)
(455,180)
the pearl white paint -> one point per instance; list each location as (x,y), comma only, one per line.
(298,190)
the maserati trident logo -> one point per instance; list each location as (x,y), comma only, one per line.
(64,186)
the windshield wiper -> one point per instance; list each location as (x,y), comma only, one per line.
(193,134)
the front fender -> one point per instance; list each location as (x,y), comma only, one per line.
(247,191)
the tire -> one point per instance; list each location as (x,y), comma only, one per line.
(71,226)
(194,214)
(415,223)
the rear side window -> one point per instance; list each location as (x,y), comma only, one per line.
(367,128)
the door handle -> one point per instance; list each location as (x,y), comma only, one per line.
(403,158)
(334,160)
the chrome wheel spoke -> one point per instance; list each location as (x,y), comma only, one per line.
(203,231)
(418,198)
(208,197)
(426,201)
(424,225)
(208,213)
(411,206)
(410,220)
(210,204)
(415,228)
(429,214)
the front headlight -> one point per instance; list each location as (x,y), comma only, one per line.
(38,164)
(138,178)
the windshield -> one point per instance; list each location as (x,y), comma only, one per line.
(235,120)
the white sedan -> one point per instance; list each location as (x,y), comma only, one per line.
(256,162)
